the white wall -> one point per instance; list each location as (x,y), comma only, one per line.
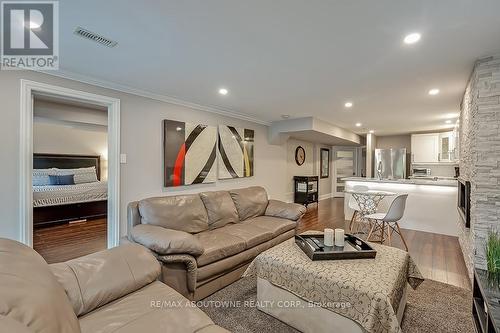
(395,142)
(60,138)
(141,140)
(70,113)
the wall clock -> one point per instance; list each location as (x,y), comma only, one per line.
(300,155)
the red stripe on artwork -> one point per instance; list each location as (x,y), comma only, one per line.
(179,164)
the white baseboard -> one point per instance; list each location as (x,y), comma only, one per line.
(325,196)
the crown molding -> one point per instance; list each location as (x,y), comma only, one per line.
(159,97)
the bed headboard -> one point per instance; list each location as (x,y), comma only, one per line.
(66,161)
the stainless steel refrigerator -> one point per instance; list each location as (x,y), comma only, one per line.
(390,163)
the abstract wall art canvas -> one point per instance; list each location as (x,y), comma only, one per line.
(236,150)
(189,153)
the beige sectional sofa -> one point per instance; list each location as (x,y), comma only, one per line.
(110,291)
(205,241)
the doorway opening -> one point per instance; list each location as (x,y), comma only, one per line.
(69,171)
(70,190)
(347,162)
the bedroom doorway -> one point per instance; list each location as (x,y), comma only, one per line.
(70,191)
(70,171)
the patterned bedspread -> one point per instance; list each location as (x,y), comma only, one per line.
(53,195)
(371,289)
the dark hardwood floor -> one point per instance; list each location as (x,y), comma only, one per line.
(437,256)
(69,241)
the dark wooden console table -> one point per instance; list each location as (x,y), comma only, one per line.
(306,189)
(486,302)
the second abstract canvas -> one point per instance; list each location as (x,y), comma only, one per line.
(235,152)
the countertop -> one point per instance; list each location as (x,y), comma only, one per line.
(414,181)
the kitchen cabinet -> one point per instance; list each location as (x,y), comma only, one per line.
(434,148)
(425,148)
(447,147)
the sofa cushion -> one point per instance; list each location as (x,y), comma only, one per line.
(156,308)
(99,278)
(166,241)
(30,294)
(220,208)
(181,212)
(275,225)
(218,245)
(226,265)
(250,202)
(251,234)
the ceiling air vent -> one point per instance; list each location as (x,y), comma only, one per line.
(79,31)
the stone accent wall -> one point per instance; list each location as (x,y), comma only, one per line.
(480,157)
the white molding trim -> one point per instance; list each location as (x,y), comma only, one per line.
(159,97)
(28,88)
(325,196)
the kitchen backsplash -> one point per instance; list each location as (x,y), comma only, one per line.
(438,170)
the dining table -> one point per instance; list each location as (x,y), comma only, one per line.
(367,203)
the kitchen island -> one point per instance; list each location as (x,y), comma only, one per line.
(431,204)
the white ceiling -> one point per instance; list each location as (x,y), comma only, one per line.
(302,58)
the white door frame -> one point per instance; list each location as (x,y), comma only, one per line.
(28,90)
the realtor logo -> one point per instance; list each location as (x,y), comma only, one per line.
(30,35)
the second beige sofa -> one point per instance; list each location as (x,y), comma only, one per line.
(113,290)
(205,241)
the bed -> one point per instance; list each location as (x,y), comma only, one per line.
(56,204)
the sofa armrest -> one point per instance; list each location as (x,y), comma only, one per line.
(187,280)
(289,211)
(99,278)
(166,241)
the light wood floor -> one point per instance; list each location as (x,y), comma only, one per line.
(438,257)
(69,241)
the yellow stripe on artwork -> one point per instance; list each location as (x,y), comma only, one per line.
(247,161)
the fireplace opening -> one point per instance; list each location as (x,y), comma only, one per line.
(463,202)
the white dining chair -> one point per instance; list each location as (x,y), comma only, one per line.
(389,219)
(353,204)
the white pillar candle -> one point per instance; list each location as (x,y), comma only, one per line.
(339,237)
(328,237)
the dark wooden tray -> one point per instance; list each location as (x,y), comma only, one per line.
(354,248)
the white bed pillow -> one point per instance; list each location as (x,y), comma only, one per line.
(41,176)
(82,175)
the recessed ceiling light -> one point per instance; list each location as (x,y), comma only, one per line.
(285,116)
(372,131)
(434,92)
(448,121)
(412,38)
(223,91)
(358,124)
(348,104)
